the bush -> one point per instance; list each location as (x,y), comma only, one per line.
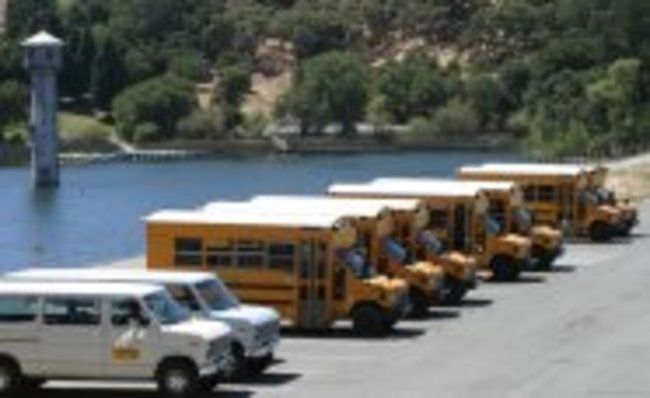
(201,125)
(147,132)
(455,119)
(162,101)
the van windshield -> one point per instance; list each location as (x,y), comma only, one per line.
(166,310)
(216,295)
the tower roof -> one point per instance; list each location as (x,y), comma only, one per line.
(43,39)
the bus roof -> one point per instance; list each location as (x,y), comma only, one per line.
(408,187)
(333,202)
(299,204)
(110,275)
(453,184)
(528,169)
(8,287)
(251,218)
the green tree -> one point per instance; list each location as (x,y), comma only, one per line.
(161,102)
(108,73)
(412,88)
(487,97)
(13,104)
(331,87)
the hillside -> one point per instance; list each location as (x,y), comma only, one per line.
(569,77)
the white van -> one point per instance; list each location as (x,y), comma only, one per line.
(256,329)
(105,331)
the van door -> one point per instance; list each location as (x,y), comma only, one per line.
(131,347)
(313,284)
(72,337)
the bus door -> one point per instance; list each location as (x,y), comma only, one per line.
(313,284)
(461,223)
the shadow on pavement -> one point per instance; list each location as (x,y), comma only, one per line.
(123,393)
(399,332)
(437,313)
(474,303)
(522,280)
(562,269)
(271,379)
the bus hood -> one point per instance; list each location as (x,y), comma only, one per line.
(546,236)
(204,329)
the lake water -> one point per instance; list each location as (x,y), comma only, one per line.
(95,216)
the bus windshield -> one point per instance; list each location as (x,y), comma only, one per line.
(216,295)
(523,218)
(431,242)
(357,263)
(492,226)
(396,251)
(165,309)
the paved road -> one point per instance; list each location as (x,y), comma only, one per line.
(583,331)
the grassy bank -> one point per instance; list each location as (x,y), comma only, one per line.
(631,177)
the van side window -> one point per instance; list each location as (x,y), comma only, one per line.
(184,296)
(18,309)
(189,252)
(71,312)
(123,310)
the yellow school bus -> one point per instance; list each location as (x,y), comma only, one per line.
(507,209)
(458,218)
(411,231)
(307,267)
(559,196)
(596,182)
(375,224)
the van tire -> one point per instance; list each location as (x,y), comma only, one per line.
(419,303)
(368,321)
(260,365)
(208,384)
(238,369)
(32,384)
(178,379)
(10,377)
(599,232)
(504,269)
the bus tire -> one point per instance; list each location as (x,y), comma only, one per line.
(11,379)
(178,378)
(419,303)
(504,269)
(599,232)
(455,292)
(368,321)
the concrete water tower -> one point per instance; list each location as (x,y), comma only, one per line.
(43,61)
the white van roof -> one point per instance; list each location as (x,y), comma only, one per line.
(8,287)
(269,218)
(406,188)
(110,275)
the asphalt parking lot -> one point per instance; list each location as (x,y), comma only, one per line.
(581,331)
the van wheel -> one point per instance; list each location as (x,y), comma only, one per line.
(32,384)
(599,232)
(178,379)
(10,378)
(259,365)
(236,367)
(504,269)
(368,321)
(419,303)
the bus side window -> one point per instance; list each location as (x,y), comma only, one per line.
(189,252)
(220,254)
(250,254)
(281,256)
(529,193)
(547,193)
(439,219)
(339,277)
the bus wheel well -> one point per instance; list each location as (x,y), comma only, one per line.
(368,319)
(504,268)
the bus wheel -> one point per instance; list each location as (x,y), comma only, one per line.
(419,303)
(504,269)
(455,292)
(599,232)
(368,321)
